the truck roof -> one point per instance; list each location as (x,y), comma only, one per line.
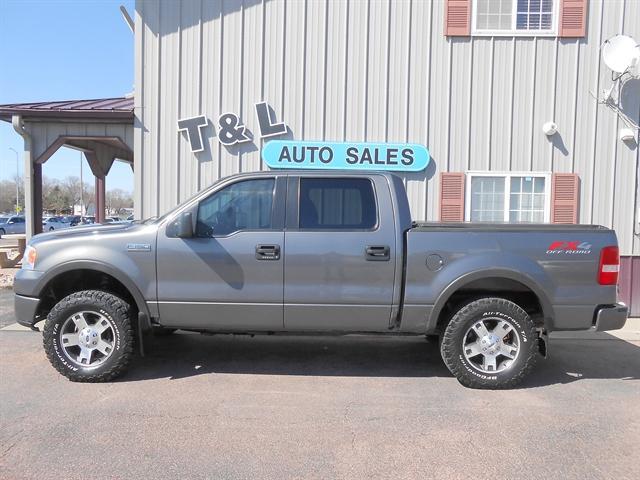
(318,172)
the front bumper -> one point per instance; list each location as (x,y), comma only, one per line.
(612,317)
(27,282)
(25,310)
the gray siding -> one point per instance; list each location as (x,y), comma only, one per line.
(379,71)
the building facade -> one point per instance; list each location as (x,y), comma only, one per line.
(475,81)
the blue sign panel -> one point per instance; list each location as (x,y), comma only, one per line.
(399,157)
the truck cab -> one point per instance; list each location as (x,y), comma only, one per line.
(276,252)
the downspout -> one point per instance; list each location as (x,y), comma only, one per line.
(18,126)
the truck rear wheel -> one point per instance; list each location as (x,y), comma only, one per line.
(490,343)
(88,336)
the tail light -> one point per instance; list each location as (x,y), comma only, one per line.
(609,266)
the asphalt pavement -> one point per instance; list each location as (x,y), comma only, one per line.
(6,307)
(239,407)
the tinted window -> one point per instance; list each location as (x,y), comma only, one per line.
(241,206)
(18,219)
(337,203)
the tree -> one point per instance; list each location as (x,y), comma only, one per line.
(58,200)
(8,194)
(117,200)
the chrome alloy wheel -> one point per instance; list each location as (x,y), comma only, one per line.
(87,338)
(491,345)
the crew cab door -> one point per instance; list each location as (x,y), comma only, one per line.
(229,276)
(339,254)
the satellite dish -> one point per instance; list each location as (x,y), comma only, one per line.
(621,54)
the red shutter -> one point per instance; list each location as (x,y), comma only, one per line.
(452,197)
(573,18)
(457,17)
(564,197)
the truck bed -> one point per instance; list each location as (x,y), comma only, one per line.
(558,263)
(504,227)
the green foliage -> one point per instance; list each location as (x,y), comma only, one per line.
(59,196)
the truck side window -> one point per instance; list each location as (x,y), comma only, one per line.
(337,204)
(244,205)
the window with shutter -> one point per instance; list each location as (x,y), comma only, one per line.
(458,17)
(452,186)
(563,18)
(564,198)
(573,18)
(510,197)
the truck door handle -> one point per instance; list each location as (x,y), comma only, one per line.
(377,253)
(268,252)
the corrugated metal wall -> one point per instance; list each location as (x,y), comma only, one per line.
(630,284)
(379,71)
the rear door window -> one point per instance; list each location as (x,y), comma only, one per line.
(337,204)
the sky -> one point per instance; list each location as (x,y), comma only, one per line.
(63,50)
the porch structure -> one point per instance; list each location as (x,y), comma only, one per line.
(101,129)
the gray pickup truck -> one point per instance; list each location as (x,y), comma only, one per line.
(311,252)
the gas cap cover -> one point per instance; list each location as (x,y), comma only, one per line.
(434,262)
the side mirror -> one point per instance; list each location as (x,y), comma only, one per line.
(183,226)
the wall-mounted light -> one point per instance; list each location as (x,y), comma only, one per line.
(627,135)
(549,128)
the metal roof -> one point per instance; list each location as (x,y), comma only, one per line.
(120,108)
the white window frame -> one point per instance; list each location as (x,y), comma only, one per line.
(507,191)
(514,32)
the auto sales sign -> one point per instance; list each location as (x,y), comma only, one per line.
(403,157)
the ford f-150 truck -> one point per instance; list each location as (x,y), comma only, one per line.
(315,252)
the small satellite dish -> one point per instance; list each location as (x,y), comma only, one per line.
(621,53)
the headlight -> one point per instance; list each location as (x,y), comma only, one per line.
(29,258)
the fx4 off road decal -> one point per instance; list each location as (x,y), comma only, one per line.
(570,248)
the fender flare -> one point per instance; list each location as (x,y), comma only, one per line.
(530,283)
(120,276)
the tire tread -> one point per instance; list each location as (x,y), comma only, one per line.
(120,307)
(449,339)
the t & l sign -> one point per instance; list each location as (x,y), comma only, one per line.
(288,154)
(230,129)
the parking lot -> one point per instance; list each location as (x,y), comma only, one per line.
(201,406)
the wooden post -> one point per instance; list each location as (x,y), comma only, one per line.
(37,198)
(100,199)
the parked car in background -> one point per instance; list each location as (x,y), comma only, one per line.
(113,220)
(72,220)
(79,220)
(54,223)
(11,224)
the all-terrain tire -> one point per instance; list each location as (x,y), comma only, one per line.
(115,310)
(468,374)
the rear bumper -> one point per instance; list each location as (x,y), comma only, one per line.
(612,317)
(25,310)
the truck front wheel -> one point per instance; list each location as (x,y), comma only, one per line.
(490,343)
(88,336)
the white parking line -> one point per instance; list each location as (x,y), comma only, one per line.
(16,327)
